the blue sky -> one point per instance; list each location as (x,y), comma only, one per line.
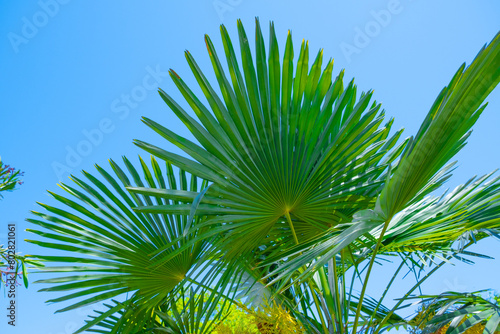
(77,76)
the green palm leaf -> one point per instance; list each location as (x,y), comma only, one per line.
(110,245)
(444,131)
(411,180)
(299,152)
(433,224)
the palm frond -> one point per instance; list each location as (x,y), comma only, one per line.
(109,244)
(433,225)
(444,131)
(288,148)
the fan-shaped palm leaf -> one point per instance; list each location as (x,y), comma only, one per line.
(287,147)
(110,245)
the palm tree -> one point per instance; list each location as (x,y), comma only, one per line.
(304,190)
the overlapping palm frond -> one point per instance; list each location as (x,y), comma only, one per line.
(432,225)
(109,245)
(424,164)
(444,131)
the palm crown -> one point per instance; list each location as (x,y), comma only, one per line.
(301,181)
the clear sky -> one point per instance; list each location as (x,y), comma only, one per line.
(71,67)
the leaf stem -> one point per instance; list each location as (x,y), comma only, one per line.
(365,283)
(391,312)
(287,214)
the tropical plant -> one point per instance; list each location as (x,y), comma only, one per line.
(303,190)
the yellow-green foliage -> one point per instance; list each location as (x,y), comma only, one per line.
(237,321)
(270,319)
(476,329)
(273,319)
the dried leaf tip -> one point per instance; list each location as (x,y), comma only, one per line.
(172,72)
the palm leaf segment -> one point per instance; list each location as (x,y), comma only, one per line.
(286,147)
(432,225)
(110,245)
